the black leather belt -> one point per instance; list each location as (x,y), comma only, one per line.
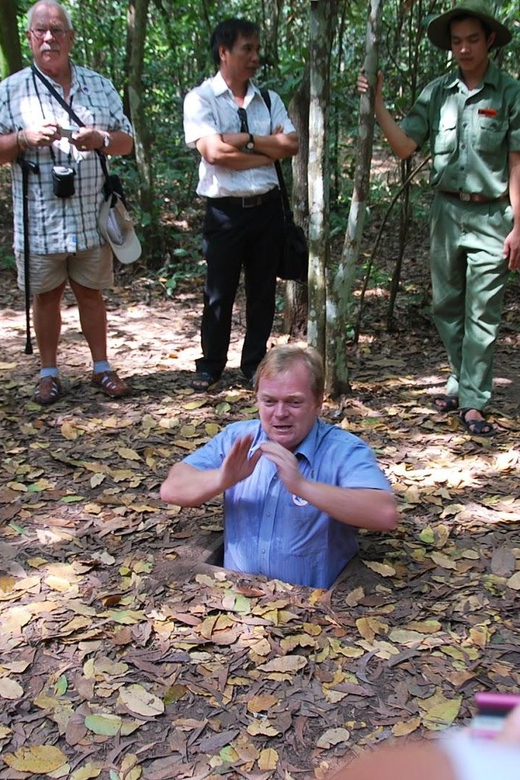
(472,197)
(246,203)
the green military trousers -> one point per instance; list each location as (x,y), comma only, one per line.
(469,275)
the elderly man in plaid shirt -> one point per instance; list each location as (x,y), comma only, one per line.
(65,242)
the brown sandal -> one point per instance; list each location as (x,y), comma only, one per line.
(110,384)
(48,391)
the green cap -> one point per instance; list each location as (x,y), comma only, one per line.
(439,28)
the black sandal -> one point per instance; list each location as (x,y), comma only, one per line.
(202,381)
(446,403)
(476,427)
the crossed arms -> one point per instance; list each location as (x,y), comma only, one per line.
(227,149)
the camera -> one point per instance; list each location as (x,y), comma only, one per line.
(492,710)
(63,181)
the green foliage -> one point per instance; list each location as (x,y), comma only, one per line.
(177,57)
(182,262)
(7,260)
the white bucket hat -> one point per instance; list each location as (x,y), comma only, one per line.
(117,227)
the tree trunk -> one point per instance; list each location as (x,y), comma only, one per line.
(296,294)
(340,304)
(10,49)
(137,17)
(322,16)
(271,10)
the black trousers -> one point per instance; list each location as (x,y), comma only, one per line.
(236,237)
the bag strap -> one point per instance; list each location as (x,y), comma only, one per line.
(281,181)
(56,95)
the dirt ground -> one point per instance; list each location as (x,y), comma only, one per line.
(126,655)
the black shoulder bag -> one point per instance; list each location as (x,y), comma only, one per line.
(294,258)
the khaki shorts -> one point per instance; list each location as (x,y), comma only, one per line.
(92,268)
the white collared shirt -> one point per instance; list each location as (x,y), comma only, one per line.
(211,108)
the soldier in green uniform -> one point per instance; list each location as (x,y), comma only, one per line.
(471,119)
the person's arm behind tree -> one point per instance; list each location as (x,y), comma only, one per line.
(401,144)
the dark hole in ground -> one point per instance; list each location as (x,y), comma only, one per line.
(216,556)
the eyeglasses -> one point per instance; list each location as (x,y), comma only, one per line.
(242,115)
(56,32)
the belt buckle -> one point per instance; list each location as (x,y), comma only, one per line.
(465,196)
(252,202)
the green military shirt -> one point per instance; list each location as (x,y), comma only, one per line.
(470,132)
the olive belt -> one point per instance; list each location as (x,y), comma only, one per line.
(472,197)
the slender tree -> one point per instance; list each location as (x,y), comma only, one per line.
(10,48)
(296,294)
(340,291)
(137,17)
(322,18)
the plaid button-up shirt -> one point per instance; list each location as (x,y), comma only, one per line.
(59,224)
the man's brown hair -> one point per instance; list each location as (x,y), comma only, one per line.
(281,359)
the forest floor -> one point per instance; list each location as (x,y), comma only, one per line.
(125,654)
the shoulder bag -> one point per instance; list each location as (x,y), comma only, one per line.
(294,258)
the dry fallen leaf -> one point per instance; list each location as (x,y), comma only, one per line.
(10,689)
(262,728)
(368,627)
(268,759)
(141,701)
(86,772)
(405,727)
(333,737)
(287,663)
(514,581)
(262,702)
(38,759)
(442,715)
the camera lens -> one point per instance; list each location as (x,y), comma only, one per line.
(63,181)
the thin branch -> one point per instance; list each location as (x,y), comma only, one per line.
(378,238)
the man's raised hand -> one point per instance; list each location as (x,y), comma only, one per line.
(286,464)
(238,465)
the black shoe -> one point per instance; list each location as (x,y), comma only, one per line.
(249,381)
(202,381)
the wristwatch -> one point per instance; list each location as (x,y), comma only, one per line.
(106,140)
(250,145)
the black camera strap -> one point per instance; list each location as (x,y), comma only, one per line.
(72,114)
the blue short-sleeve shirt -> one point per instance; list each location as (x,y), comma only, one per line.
(270,531)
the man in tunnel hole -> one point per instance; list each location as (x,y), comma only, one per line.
(295,488)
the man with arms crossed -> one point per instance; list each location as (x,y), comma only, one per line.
(295,488)
(228,122)
(64,239)
(471,118)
